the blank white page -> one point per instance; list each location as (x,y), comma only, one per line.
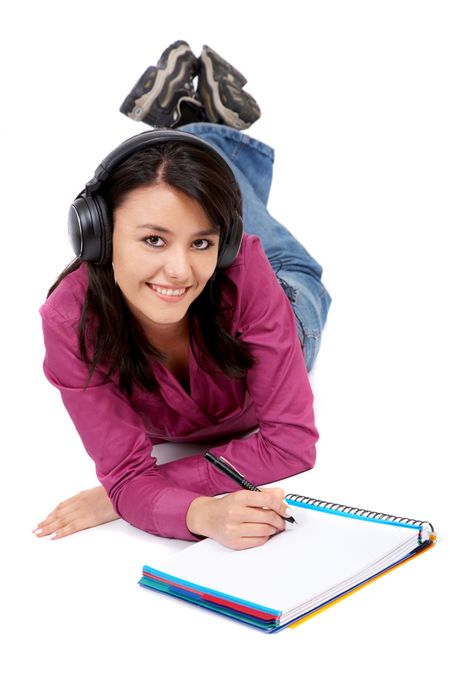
(295,565)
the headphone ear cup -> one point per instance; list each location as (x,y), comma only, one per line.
(105,229)
(90,231)
(231,243)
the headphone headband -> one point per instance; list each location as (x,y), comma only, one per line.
(90,229)
(139,142)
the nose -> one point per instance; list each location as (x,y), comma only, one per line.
(177,265)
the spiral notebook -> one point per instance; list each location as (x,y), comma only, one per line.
(332,551)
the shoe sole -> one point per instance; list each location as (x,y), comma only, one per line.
(156,87)
(220,88)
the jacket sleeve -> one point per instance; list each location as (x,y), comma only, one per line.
(114,436)
(278,384)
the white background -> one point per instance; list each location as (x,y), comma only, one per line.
(355,100)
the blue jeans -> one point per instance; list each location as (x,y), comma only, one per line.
(298,273)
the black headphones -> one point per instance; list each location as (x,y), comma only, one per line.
(90,230)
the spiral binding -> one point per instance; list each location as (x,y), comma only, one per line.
(363,513)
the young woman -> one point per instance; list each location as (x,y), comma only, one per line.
(171,325)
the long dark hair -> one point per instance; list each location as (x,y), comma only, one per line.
(109,334)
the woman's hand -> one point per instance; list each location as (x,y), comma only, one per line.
(240,520)
(86,509)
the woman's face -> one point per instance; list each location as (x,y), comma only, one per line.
(164,251)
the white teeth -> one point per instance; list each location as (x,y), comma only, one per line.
(169,291)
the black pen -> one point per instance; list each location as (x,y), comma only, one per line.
(228,469)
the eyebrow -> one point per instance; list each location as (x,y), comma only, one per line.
(158,228)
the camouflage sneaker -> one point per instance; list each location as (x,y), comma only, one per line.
(164,94)
(220,91)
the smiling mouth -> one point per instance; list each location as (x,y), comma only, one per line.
(169,292)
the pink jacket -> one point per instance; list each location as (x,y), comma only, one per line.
(117,432)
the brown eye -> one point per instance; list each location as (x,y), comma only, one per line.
(202,244)
(153,241)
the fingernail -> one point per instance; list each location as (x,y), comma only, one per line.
(37,530)
(289,513)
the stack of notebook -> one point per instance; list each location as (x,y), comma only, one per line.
(332,550)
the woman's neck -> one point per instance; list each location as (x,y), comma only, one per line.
(166,337)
